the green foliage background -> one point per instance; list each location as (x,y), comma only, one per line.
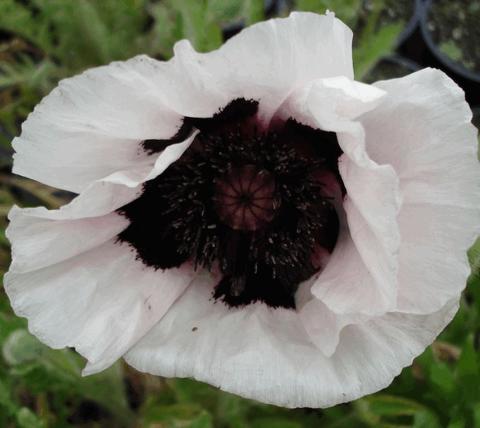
(43,41)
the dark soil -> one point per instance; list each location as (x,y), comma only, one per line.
(454,27)
(394,11)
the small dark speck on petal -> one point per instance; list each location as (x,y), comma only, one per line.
(194,328)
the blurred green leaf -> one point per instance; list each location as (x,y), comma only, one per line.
(386,410)
(468,373)
(274,423)
(346,10)
(8,323)
(476,415)
(24,71)
(474,259)
(190,391)
(442,377)
(18,19)
(196,24)
(6,403)
(373,46)
(224,11)
(21,347)
(27,419)
(425,419)
(457,424)
(232,410)
(177,416)
(44,369)
(253,11)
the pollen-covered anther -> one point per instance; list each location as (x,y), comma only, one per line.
(245,198)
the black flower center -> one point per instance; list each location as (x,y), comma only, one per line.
(243,202)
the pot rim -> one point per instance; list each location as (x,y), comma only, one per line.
(412,23)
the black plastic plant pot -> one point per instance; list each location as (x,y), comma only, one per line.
(413,9)
(476,116)
(391,67)
(451,32)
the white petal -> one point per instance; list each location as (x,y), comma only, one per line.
(369,238)
(118,189)
(39,239)
(91,125)
(79,287)
(324,326)
(347,285)
(262,353)
(422,128)
(101,302)
(266,61)
(195,90)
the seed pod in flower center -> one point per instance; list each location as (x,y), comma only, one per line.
(245,198)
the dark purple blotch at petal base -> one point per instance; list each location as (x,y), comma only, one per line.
(243,201)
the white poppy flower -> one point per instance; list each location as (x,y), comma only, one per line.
(251,217)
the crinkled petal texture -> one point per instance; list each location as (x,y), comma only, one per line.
(423,130)
(394,279)
(392,282)
(90,125)
(76,284)
(265,354)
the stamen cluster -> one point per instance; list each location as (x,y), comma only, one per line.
(246,204)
